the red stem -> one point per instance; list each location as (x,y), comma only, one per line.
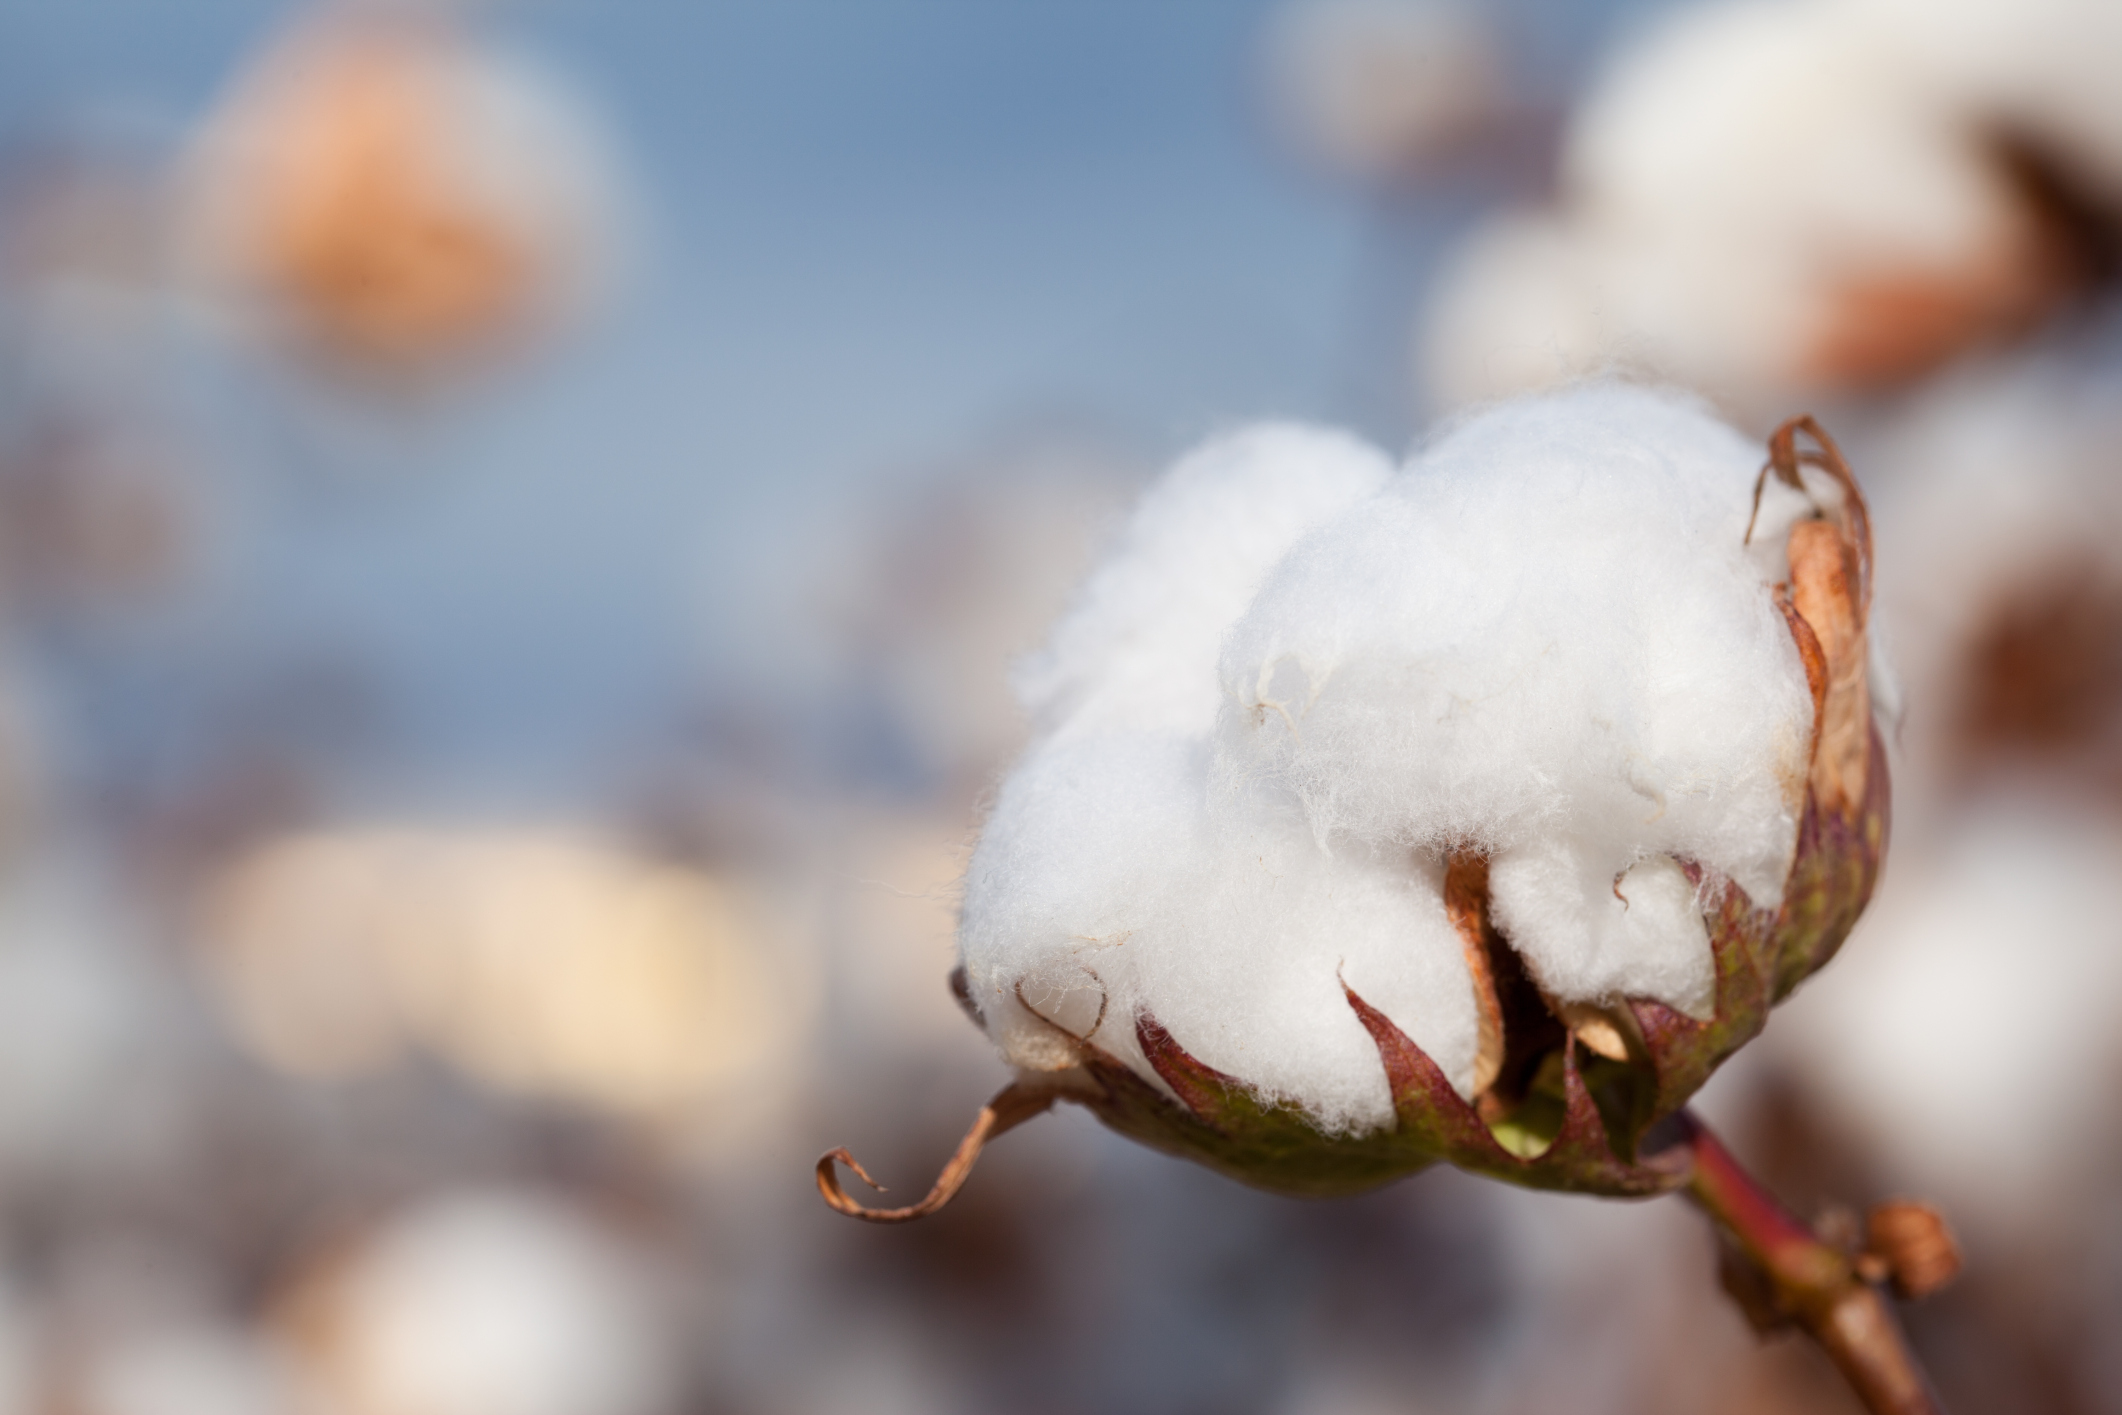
(1810,1282)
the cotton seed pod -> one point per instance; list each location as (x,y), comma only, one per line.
(1556,1066)
(398,198)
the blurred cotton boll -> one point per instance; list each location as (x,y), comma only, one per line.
(1768,201)
(2043,70)
(2002,581)
(1382,89)
(89,1059)
(1973,1024)
(934,594)
(192,1368)
(94,513)
(399,197)
(482,1303)
(548,963)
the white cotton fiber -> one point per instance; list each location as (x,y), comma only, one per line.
(2040,70)
(486,1302)
(1301,682)
(1138,648)
(1545,641)
(1592,935)
(1528,302)
(1765,200)
(1800,117)
(1386,88)
(1102,876)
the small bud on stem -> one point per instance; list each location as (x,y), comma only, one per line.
(1908,1243)
(1782,1272)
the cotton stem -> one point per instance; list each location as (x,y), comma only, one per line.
(1802,1279)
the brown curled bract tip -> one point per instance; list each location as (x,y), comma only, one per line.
(1827,605)
(1911,1242)
(1466,901)
(1011,1107)
(1852,516)
(1809,651)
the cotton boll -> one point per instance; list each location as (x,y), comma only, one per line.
(1768,201)
(1521,306)
(552,962)
(398,198)
(2041,70)
(2000,572)
(1102,888)
(482,1303)
(1850,142)
(1137,650)
(1379,88)
(190,1368)
(1509,765)
(1971,1028)
(1544,635)
(1787,139)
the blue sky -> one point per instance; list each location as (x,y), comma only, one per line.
(876,233)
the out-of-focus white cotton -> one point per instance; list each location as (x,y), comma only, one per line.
(485,1303)
(1136,651)
(1380,88)
(1767,200)
(2040,71)
(1970,1033)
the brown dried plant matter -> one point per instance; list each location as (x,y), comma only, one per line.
(1011,1107)
(1830,596)
(2039,677)
(1909,1244)
(1783,1273)
(1590,1097)
(375,245)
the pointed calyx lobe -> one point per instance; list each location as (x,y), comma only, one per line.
(1569,1095)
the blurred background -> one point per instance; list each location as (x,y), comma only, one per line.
(514,521)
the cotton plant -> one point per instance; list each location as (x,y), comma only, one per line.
(1473,810)
(1789,200)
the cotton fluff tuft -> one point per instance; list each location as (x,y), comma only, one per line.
(1138,648)
(1544,641)
(1102,880)
(1302,681)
